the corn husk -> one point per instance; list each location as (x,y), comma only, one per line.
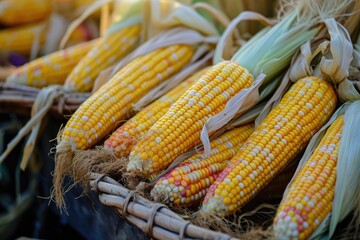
(271,52)
(349,88)
(347,198)
(336,56)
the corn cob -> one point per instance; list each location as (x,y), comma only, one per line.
(107,52)
(179,129)
(50,69)
(21,39)
(309,199)
(122,140)
(187,184)
(16,12)
(98,116)
(280,136)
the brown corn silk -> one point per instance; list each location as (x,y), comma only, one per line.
(179,129)
(279,137)
(16,12)
(309,198)
(187,183)
(123,138)
(108,50)
(50,69)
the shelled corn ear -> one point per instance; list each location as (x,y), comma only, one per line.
(122,140)
(16,12)
(108,50)
(21,39)
(187,184)
(310,196)
(50,69)
(276,141)
(100,113)
(179,129)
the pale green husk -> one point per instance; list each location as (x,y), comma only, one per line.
(347,187)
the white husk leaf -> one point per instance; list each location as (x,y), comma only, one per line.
(35,47)
(347,187)
(336,68)
(56,29)
(238,104)
(302,67)
(248,117)
(276,97)
(102,78)
(348,89)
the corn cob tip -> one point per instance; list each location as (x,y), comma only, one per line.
(17,77)
(135,164)
(160,194)
(214,206)
(286,228)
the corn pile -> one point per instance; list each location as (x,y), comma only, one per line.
(309,90)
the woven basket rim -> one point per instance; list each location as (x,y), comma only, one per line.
(23,97)
(154,219)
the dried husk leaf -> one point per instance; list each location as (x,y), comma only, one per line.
(336,68)
(238,104)
(349,89)
(348,169)
(76,22)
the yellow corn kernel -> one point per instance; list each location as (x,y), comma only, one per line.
(122,140)
(279,137)
(200,171)
(310,196)
(185,119)
(16,12)
(50,69)
(108,50)
(100,113)
(21,39)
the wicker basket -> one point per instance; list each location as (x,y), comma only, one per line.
(20,99)
(155,219)
(158,221)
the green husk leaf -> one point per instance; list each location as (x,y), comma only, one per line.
(348,168)
(347,187)
(272,53)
